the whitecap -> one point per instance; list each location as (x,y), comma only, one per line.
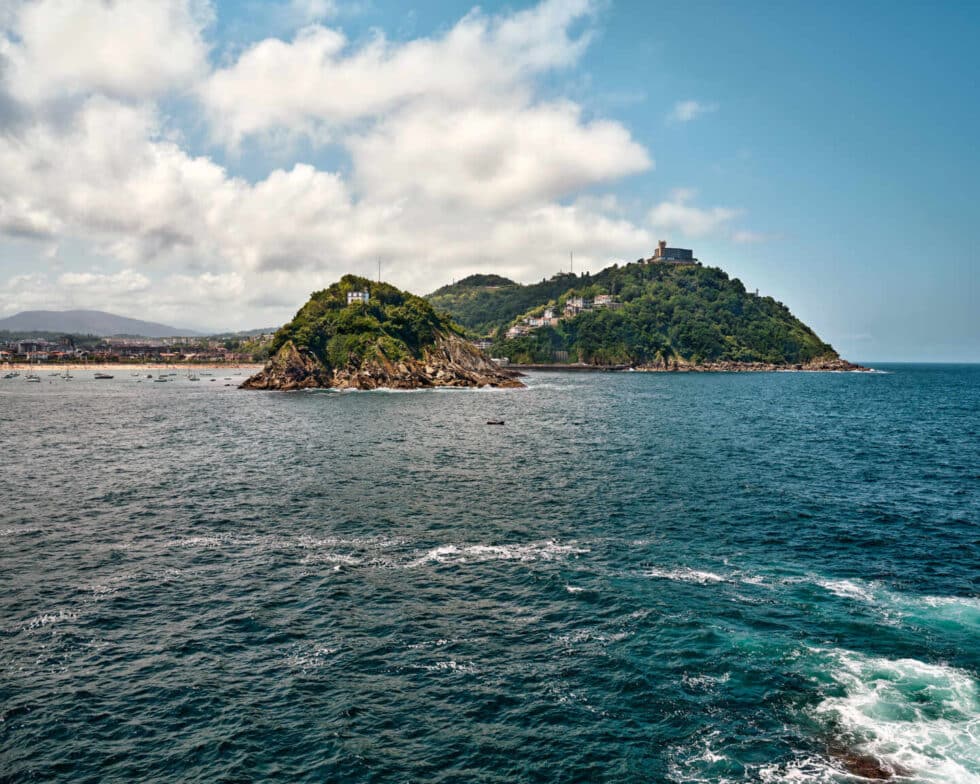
(928,610)
(477,553)
(849,589)
(687,575)
(46,619)
(916,718)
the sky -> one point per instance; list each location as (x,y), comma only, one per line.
(210,164)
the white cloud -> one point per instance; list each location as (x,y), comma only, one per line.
(122,48)
(317,79)
(125,281)
(492,158)
(685,111)
(456,166)
(678,215)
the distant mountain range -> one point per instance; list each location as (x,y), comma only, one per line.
(89,322)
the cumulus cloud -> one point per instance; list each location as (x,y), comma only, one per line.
(492,157)
(123,48)
(317,79)
(685,111)
(456,165)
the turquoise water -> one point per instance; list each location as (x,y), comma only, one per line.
(640,577)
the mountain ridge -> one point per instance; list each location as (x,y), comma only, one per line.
(90,322)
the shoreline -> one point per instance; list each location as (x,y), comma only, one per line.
(123,366)
(829,366)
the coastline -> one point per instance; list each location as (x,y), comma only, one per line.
(126,366)
(827,366)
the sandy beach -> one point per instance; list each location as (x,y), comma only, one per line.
(127,366)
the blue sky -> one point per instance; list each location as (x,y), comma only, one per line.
(243,154)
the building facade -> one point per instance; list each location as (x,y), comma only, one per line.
(672,255)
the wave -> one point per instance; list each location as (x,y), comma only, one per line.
(47,619)
(917,720)
(963,611)
(687,575)
(476,553)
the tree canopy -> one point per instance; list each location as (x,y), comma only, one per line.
(664,311)
(392,324)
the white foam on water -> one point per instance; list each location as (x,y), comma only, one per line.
(451,665)
(849,589)
(705,682)
(574,589)
(431,644)
(920,720)
(805,770)
(14,531)
(478,553)
(687,575)
(959,610)
(311,657)
(47,619)
(331,558)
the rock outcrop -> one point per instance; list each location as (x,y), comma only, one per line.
(450,362)
(680,366)
(290,368)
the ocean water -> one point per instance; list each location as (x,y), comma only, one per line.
(639,577)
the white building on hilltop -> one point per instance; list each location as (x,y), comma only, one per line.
(357,296)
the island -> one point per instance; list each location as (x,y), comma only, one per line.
(667,312)
(361,334)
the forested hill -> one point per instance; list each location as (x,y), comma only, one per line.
(692,312)
(482,303)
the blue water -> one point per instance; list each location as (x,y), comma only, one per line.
(640,577)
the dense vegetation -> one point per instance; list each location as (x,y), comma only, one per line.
(393,324)
(668,312)
(482,306)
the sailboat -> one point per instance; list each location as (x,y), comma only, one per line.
(31,376)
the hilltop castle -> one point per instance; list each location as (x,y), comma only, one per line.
(665,255)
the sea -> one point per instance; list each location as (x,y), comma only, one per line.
(758,577)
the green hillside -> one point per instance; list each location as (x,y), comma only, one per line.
(691,312)
(482,303)
(392,325)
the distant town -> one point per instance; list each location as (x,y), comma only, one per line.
(81,349)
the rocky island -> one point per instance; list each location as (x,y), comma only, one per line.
(359,334)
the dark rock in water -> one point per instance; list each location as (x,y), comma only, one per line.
(864,765)
(449,362)
(290,368)
(728,366)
